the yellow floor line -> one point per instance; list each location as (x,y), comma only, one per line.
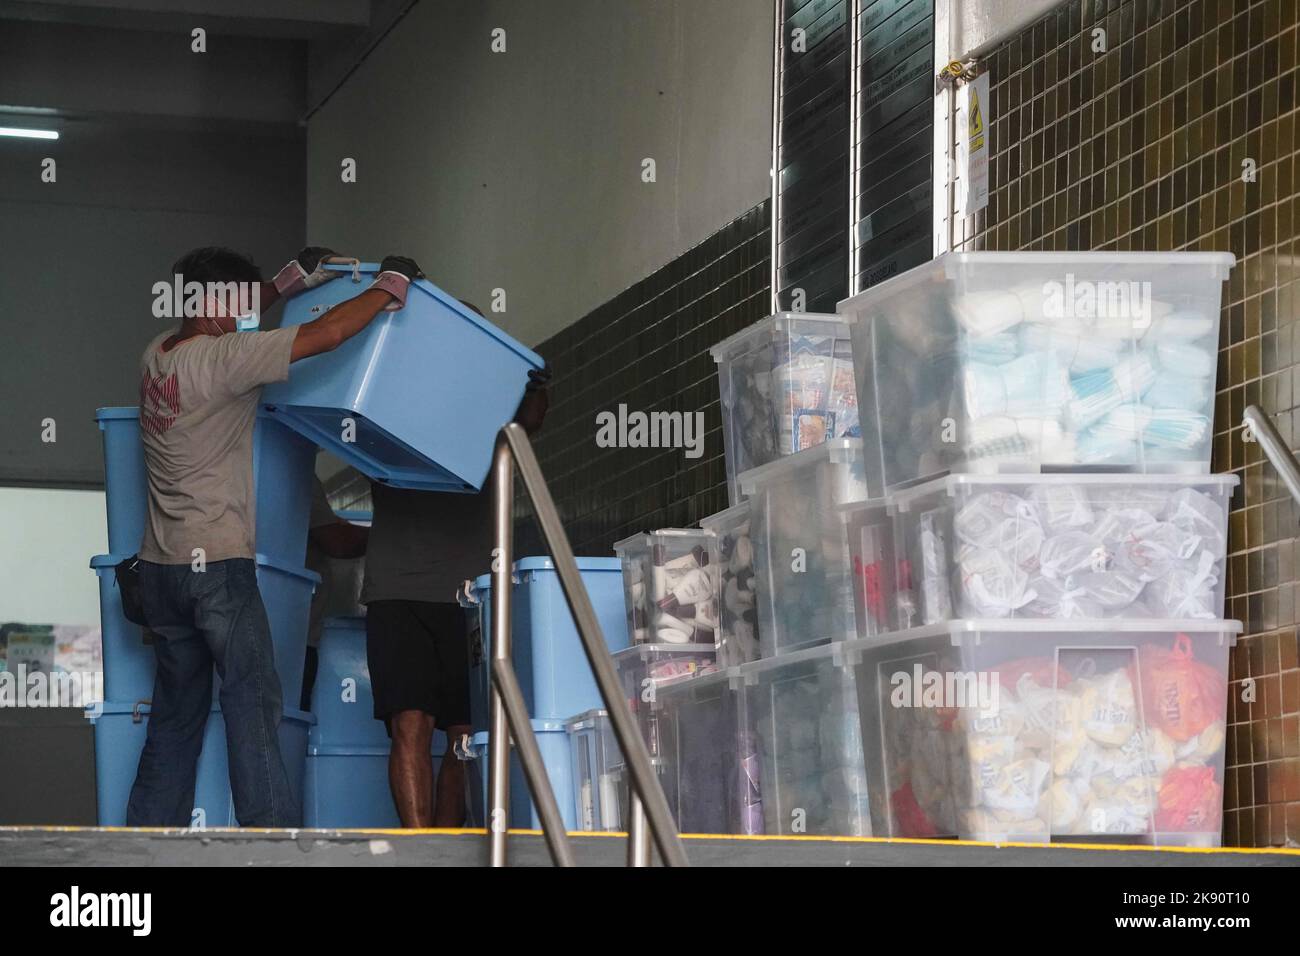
(757,838)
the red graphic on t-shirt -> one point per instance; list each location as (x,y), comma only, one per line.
(160,403)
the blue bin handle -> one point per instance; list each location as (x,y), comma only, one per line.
(346,261)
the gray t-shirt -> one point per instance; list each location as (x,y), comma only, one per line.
(424,544)
(198,404)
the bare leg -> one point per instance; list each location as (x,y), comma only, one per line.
(450,808)
(410,767)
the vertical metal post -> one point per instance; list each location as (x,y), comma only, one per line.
(638,835)
(498,811)
(855,147)
(778,51)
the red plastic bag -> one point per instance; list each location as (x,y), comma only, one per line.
(1190,800)
(909,817)
(1181,695)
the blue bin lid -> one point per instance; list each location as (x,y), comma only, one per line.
(111,707)
(544,563)
(114,412)
(100,561)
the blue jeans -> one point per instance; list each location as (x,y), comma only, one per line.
(200,619)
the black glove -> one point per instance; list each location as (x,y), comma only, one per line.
(403,265)
(538,378)
(311,256)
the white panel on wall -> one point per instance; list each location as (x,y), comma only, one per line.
(49,538)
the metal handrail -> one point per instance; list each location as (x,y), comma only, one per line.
(1274,448)
(509,713)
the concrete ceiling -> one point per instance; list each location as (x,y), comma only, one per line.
(290,19)
(129,61)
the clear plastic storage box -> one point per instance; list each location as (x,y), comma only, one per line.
(869,532)
(731,553)
(804,707)
(1049,730)
(786,384)
(669,591)
(642,668)
(1062,546)
(597,771)
(710,754)
(1021,361)
(801,560)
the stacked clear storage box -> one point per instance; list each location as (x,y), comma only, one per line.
(1062,546)
(1059,671)
(786,384)
(709,754)
(731,555)
(990,361)
(807,724)
(801,557)
(1032,731)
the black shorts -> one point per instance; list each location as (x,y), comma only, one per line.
(419,660)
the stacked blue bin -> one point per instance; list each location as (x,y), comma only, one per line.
(551,665)
(347,751)
(283,463)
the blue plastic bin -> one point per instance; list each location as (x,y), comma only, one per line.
(557,757)
(120,730)
(129,663)
(283,465)
(427,387)
(342,699)
(347,787)
(549,661)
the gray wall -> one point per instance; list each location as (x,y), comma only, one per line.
(150,164)
(522,170)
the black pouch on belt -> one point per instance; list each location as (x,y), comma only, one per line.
(127,574)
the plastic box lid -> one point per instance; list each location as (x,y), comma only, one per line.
(902,498)
(645,650)
(964,630)
(801,323)
(838,451)
(952,265)
(643,539)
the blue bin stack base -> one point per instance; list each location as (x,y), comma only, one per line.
(129,663)
(347,754)
(546,650)
(416,398)
(120,731)
(557,757)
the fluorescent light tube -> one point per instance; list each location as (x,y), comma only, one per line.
(28,133)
